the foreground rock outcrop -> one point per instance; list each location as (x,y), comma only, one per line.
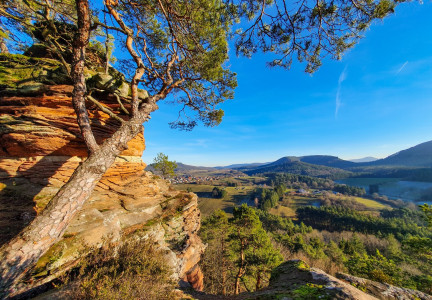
(294,279)
(383,290)
(40,146)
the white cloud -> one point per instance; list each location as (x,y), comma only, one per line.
(341,79)
(200,143)
(401,68)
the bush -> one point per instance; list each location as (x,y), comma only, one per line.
(137,270)
(217,192)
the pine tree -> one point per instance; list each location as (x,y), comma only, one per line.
(250,247)
(215,231)
(165,166)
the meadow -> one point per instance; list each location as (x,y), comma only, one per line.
(245,194)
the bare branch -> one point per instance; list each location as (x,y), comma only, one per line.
(81,41)
(104,109)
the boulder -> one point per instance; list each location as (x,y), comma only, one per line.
(383,290)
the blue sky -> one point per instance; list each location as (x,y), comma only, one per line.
(377,100)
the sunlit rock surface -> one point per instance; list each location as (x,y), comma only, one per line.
(40,147)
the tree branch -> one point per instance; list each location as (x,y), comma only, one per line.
(81,41)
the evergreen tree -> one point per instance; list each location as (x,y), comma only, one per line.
(215,262)
(251,249)
(427,210)
(165,166)
(335,253)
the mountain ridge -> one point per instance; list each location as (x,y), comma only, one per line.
(419,155)
(414,163)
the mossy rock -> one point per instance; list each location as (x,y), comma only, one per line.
(289,268)
(28,75)
(311,291)
(113,82)
(37,50)
(20,74)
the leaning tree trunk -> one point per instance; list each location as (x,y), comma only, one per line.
(22,252)
(25,249)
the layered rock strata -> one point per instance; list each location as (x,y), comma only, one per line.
(40,147)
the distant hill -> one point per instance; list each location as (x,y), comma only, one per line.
(294,166)
(417,156)
(327,160)
(412,163)
(183,168)
(364,159)
(239,166)
(197,171)
(320,160)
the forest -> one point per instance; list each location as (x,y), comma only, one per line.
(395,248)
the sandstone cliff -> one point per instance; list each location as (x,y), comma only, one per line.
(40,146)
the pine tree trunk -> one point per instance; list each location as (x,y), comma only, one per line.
(22,252)
(237,284)
(241,270)
(80,42)
(224,271)
(25,249)
(258,281)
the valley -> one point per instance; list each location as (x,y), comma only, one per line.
(336,215)
(402,176)
(286,207)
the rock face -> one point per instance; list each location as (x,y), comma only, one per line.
(40,146)
(294,279)
(45,124)
(383,290)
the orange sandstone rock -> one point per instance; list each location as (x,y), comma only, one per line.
(46,125)
(40,147)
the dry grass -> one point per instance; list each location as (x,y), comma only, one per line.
(283,211)
(370,203)
(208,205)
(136,270)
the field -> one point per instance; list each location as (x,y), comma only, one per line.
(371,203)
(207,204)
(244,194)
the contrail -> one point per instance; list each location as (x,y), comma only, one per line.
(342,78)
(401,68)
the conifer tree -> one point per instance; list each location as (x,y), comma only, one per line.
(165,166)
(215,232)
(250,247)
